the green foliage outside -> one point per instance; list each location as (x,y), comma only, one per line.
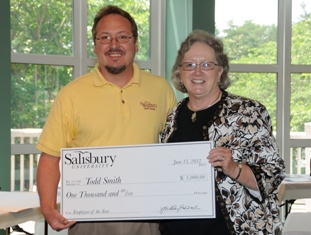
(45,27)
(256,44)
(38,27)
(41,27)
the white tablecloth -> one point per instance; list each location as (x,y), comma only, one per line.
(295,187)
(18,207)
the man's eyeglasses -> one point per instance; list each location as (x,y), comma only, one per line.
(205,65)
(106,39)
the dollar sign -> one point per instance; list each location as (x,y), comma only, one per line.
(181,178)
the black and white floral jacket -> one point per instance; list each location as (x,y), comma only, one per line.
(244,126)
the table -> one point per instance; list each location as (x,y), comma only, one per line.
(19,207)
(294,187)
(297,224)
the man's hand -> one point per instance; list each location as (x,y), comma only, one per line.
(56,220)
(48,176)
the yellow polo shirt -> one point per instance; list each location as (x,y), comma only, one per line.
(90,111)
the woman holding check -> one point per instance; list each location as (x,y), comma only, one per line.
(248,168)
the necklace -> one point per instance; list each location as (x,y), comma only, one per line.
(194,115)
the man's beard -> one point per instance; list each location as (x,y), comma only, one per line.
(115,70)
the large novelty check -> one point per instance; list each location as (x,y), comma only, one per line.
(158,181)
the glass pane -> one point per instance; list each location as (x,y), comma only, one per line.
(301,32)
(258,86)
(41,27)
(300,103)
(34,88)
(139,10)
(300,160)
(249,33)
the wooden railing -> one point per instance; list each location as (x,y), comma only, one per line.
(25,156)
(24,159)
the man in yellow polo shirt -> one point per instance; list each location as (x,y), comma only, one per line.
(117,104)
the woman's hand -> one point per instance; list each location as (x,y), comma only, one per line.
(222,157)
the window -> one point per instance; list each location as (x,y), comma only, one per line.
(270,62)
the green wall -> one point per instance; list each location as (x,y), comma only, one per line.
(178,26)
(5,96)
(181,17)
(204,15)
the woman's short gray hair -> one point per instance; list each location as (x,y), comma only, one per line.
(210,40)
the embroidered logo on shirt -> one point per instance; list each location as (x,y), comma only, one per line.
(148,105)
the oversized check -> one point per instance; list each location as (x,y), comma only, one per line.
(138,182)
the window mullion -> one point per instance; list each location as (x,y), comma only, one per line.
(21,58)
(80,37)
(284,77)
(157,36)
